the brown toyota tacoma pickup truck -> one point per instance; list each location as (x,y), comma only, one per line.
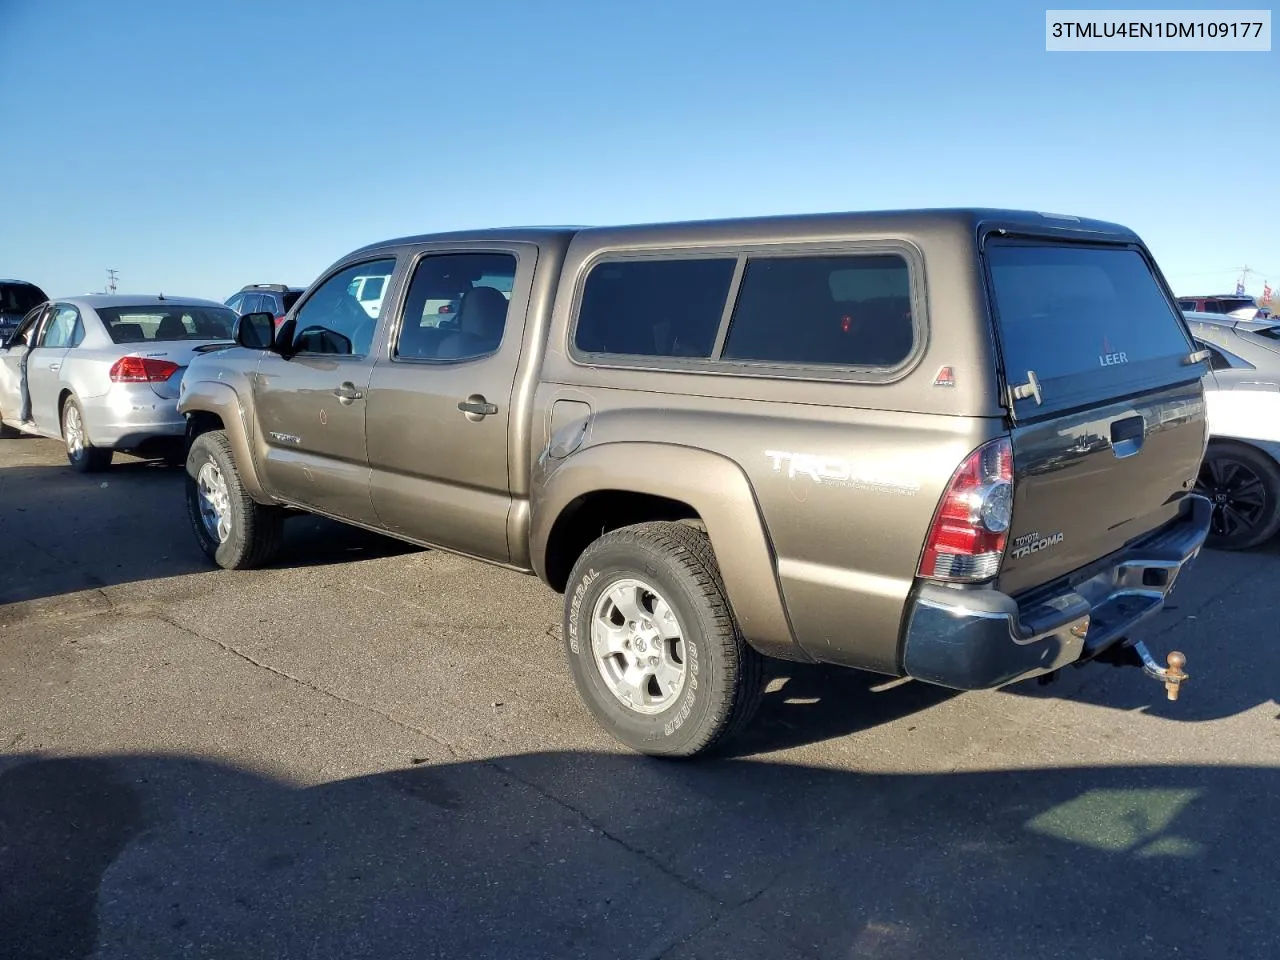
(958,446)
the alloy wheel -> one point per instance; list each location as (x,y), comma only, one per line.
(639,647)
(1238,495)
(73,431)
(215,502)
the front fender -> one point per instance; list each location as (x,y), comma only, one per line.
(221,400)
(722,496)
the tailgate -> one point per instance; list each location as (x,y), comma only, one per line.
(1109,424)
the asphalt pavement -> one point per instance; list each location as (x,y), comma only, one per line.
(374,751)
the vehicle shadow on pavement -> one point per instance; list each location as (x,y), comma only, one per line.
(588,855)
(805,703)
(315,541)
(72,532)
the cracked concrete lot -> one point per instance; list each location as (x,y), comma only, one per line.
(375,751)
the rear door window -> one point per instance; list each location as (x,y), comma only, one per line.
(1087,321)
(479,283)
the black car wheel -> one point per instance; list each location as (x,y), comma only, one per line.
(1243,484)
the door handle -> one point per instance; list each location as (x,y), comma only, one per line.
(347,393)
(55,366)
(476,407)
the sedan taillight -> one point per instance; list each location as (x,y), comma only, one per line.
(142,370)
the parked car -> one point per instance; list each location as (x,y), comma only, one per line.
(17,299)
(1241,469)
(368,291)
(1237,306)
(724,441)
(272,298)
(102,372)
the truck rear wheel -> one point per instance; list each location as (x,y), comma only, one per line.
(652,643)
(235,531)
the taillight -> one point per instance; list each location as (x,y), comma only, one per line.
(966,541)
(142,370)
(280,319)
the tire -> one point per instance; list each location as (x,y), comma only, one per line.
(1243,484)
(252,532)
(82,455)
(661,568)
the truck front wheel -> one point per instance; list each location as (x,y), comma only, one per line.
(652,643)
(235,531)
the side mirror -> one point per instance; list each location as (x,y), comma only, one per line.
(256,331)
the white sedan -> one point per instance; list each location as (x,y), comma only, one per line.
(101,373)
(1241,469)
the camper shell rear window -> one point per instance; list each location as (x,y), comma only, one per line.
(1087,320)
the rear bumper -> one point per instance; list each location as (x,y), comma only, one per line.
(129,414)
(979,639)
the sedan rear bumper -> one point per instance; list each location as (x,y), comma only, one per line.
(130,414)
(980,639)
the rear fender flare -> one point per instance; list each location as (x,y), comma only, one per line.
(712,485)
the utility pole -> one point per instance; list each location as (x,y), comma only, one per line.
(111,281)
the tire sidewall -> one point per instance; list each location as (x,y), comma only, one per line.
(205,450)
(672,730)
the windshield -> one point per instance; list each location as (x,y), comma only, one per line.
(157,323)
(20,297)
(1092,318)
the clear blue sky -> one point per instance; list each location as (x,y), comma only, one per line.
(196,147)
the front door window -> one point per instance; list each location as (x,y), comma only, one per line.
(334,320)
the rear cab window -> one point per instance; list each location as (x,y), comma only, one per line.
(1089,322)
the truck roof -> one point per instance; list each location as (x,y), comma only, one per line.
(788,226)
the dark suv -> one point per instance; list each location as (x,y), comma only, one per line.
(17,299)
(272,298)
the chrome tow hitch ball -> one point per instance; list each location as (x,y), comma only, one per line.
(1173,675)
